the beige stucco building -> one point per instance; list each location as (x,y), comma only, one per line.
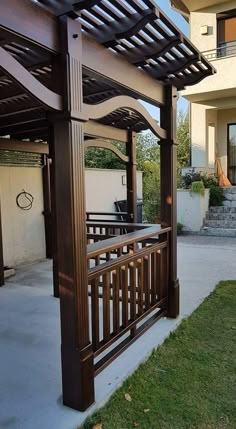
(213,101)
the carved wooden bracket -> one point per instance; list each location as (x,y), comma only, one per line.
(101,110)
(31,85)
(106,145)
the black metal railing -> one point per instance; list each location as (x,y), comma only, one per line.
(225,50)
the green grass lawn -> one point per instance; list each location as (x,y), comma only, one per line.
(189,381)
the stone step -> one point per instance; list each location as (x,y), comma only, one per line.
(221,216)
(222,209)
(220,224)
(218,232)
(230,190)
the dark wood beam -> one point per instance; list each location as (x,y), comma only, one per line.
(120,73)
(67,141)
(140,55)
(168,152)
(31,22)
(47,212)
(23,146)
(97,130)
(108,35)
(175,66)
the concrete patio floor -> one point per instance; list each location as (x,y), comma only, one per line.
(30,375)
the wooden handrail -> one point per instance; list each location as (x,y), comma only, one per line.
(107,214)
(123,225)
(104,246)
(125,259)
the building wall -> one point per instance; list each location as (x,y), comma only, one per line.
(23,231)
(203,42)
(225,117)
(209,135)
(225,78)
(104,187)
(191,209)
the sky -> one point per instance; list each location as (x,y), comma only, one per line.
(184,27)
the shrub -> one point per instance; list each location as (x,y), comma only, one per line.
(189,178)
(180,227)
(209,181)
(193,176)
(216,196)
(198,187)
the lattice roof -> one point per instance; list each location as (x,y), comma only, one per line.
(136,30)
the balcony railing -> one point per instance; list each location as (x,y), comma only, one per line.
(128,285)
(226,50)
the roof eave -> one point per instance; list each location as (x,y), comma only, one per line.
(179,6)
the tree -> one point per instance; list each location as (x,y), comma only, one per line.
(183,140)
(148,160)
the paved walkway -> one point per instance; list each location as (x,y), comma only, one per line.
(30,379)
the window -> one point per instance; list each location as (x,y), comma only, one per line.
(227,30)
(232,153)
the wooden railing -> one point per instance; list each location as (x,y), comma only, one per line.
(108,216)
(98,230)
(128,288)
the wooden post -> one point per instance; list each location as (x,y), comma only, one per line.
(53,216)
(131,174)
(1,253)
(67,143)
(168,192)
(47,206)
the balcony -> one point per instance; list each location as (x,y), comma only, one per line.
(219,90)
(223,51)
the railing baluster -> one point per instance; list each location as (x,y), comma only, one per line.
(95,312)
(146,268)
(140,285)
(106,306)
(132,266)
(115,296)
(124,285)
(153,277)
(159,272)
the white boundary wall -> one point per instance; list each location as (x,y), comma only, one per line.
(23,231)
(104,187)
(191,209)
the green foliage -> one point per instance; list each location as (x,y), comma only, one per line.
(189,382)
(180,228)
(209,182)
(148,158)
(216,196)
(148,161)
(102,158)
(183,140)
(194,176)
(198,188)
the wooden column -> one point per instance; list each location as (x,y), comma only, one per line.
(67,147)
(131,174)
(53,215)
(169,192)
(1,253)
(47,206)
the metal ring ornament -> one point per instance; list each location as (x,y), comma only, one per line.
(29,197)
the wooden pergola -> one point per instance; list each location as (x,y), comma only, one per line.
(72,73)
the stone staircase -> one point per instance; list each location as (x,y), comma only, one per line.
(221,221)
